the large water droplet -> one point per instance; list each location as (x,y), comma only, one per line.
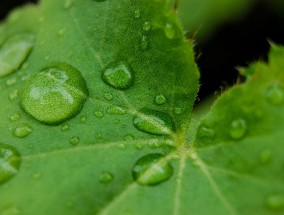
(118,76)
(22,131)
(154,122)
(9,162)
(274,95)
(238,129)
(275,202)
(106,177)
(152,169)
(54,94)
(14,52)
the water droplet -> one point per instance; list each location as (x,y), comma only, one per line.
(204,131)
(144,42)
(160,99)
(106,177)
(83,119)
(137,13)
(15,117)
(118,76)
(99,114)
(14,52)
(11,81)
(13,95)
(114,110)
(108,96)
(74,141)
(22,131)
(238,129)
(54,94)
(154,144)
(169,31)
(178,110)
(99,136)
(62,32)
(275,202)
(274,95)
(154,122)
(65,127)
(139,146)
(128,137)
(265,156)
(146,26)
(152,169)
(68,4)
(9,162)
(116,121)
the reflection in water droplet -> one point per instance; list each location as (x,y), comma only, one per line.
(160,99)
(22,131)
(154,122)
(137,13)
(74,141)
(118,76)
(9,162)
(238,128)
(152,169)
(54,94)
(14,52)
(169,31)
(106,177)
(275,202)
(274,95)
(146,26)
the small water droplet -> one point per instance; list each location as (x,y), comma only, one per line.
(106,177)
(15,117)
(274,95)
(128,137)
(160,99)
(146,26)
(116,121)
(169,31)
(137,13)
(22,131)
(154,144)
(152,169)
(238,128)
(13,95)
(74,141)
(154,122)
(178,110)
(99,114)
(68,4)
(108,96)
(54,94)
(118,76)
(9,162)
(114,110)
(65,127)
(99,136)
(11,81)
(144,42)
(139,146)
(62,32)
(14,52)
(121,146)
(204,131)
(275,202)
(83,119)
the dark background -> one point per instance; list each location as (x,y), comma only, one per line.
(233,44)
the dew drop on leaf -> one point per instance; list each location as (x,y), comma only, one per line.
(22,131)
(238,128)
(83,119)
(153,122)
(128,137)
(9,162)
(118,76)
(11,81)
(177,110)
(108,96)
(54,94)
(114,110)
(274,95)
(14,52)
(152,169)
(74,141)
(65,127)
(169,31)
(160,99)
(13,95)
(137,13)
(106,177)
(146,26)
(15,117)
(275,202)
(99,114)
(99,136)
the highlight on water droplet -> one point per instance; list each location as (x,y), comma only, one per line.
(275,202)
(160,99)
(274,95)
(238,128)
(152,169)
(169,31)
(54,94)
(106,177)
(154,122)
(118,76)
(22,131)
(14,52)
(9,162)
